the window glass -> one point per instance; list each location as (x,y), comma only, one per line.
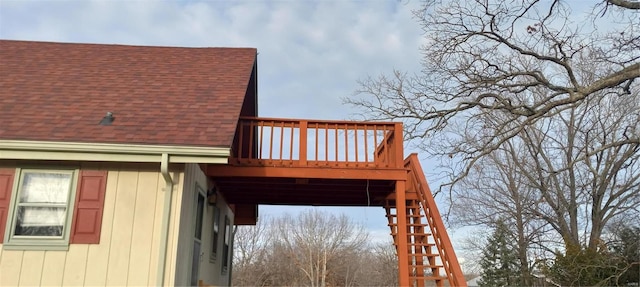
(214,234)
(45,187)
(227,242)
(195,261)
(43,202)
(199,213)
(227,231)
(40,221)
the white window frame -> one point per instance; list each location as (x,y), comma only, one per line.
(19,242)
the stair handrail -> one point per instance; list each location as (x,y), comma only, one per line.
(443,242)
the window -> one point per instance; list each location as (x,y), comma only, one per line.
(47,209)
(215,231)
(227,243)
(42,208)
(197,236)
(199,212)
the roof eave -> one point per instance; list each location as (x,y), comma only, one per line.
(77,151)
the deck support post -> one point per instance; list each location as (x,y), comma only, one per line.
(401,237)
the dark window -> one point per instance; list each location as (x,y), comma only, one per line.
(227,243)
(199,213)
(215,231)
(197,238)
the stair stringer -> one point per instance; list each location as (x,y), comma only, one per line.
(425,264)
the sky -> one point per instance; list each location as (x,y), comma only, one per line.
(310,53)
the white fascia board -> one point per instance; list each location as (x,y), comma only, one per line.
(46,150)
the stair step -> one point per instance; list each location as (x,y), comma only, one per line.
(430,267)
(420,244)
(408,216)
(423,255)
(437,278)
(410,224)
(408,235)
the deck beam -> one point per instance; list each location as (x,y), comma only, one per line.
(306,172)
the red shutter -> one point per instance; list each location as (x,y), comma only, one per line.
(6,185)
(87,216)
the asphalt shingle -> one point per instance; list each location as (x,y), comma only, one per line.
(158,95)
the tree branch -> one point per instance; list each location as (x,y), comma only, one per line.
(634,5)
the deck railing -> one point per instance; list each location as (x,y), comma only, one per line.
(293,142)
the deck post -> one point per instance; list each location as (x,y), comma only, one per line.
(398,141)
(403,249)
(303,143)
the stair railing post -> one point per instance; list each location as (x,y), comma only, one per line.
(303,143)
(403,248)
(398,141)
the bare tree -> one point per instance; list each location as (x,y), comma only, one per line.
(496,193)
(519,59)
(251,254)
(312,248)
(573,172)
(584,175)
(313,239)
(381,265)
(540,87)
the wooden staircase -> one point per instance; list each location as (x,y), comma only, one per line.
(429,253)
(341,163)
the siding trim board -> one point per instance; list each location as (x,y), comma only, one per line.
(76,151)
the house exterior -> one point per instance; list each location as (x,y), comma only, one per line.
(130,166)
(102,156)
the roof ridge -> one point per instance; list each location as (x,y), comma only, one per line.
(124,45)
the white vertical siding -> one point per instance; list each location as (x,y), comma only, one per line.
(210,272)
(10,267)
(118,265)
(142,236)
(31,269)
(156,224)
(53,268)
(75,265)
(129,239)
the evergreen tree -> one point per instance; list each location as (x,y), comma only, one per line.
(614,264)
(581,266)
(627,248)
(499,262)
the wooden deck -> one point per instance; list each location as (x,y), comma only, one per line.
(340,163)
(307,162)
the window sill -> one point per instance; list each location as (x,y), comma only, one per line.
(36,245)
